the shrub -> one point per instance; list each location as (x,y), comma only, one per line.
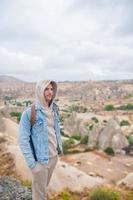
(126,107)
(19,104)
(77,108)
(129,106)
(95,119)
(128,96)
(109,151)
(65,195)
(76,136)
(67,145)
(104,194)
(109,107)
(130,139)
(89,126)
(83,109)
(27,102)
(27,183)
(17,115)
(63,116)
(124,123)
(84,139)
(8,98)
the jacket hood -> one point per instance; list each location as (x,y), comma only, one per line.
(39,91)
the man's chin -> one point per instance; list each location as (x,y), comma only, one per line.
(49,99)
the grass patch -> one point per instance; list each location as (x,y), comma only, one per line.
(27,183)
(124,123)
(104,194)
(84,139)
(130,139)
(76,136)
(109,151)
(17,115)
(101,193)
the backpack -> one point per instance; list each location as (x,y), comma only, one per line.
(33,114)
(32,121)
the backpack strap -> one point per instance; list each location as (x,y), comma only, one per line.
(32,121)
(56,108)
(32,117)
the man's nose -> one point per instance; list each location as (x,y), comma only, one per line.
(50,91)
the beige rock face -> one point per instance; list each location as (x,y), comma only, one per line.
(112,136)
(118,142)
(11,129)
(93,137)
(72,178)
(73,125)
(127,130)
(64,175)
(127,181)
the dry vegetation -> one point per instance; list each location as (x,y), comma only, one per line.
(123,194)
(7,165)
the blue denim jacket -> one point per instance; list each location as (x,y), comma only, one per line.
(39,135)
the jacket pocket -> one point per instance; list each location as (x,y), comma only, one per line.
(38,168)
(38,126)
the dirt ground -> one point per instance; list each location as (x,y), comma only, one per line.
(98,164)
(7,165)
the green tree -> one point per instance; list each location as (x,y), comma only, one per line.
(124,123)
(109,107)
(17,115)
(109,151)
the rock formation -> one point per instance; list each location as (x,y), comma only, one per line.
(112,136)
(74,125)
(127,181)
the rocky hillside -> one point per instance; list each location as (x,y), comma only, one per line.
(11,188)
(84,91)
(13,163)
(10,80)
(11,86)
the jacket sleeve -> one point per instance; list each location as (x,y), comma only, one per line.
(24,139)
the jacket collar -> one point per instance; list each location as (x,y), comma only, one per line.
(38,106)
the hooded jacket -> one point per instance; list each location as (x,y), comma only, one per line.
(39,131)
(40,87)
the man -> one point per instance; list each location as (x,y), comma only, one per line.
(41,142)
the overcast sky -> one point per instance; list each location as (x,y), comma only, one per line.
(66,39)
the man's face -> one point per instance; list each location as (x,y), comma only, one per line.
(48,93)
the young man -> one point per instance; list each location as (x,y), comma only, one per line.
(41,142)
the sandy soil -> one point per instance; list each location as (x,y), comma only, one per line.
(64,175)
(101,117)
(97,164)
(73,171)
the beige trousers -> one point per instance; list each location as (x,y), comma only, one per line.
(41,174)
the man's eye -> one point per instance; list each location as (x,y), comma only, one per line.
(49,89)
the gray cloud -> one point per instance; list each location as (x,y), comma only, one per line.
(66,40)
(115,15)
(101,4)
